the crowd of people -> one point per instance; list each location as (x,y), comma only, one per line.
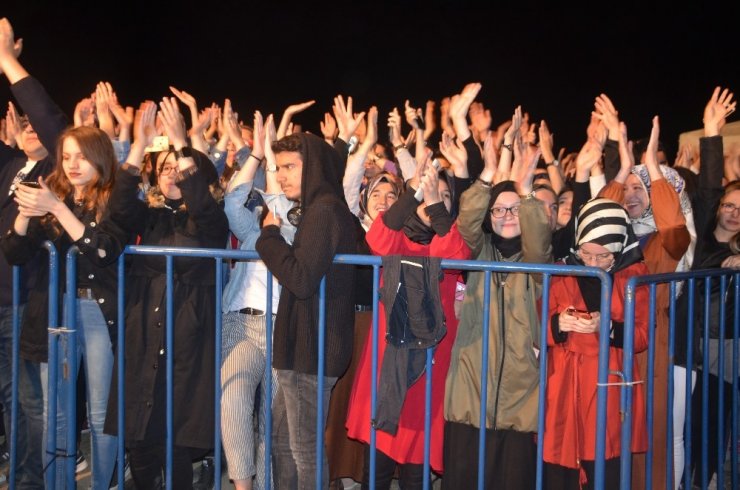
(453,187)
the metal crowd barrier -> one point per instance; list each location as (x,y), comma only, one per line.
(546,272)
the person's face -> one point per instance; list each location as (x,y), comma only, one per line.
(595,255)
(565,208)
(290,173)
(78,170)
(636,200)
(444,193)
(728,218)
(380,199)
(372,167)
(32,146)
(248,136)
(506,226)
(167,175)
(551,206)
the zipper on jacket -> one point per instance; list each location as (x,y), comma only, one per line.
(502,323)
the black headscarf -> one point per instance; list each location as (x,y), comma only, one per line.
(506,246)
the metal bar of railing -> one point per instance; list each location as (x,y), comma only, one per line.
(487,268)
(70,365)
(544,325)
(705,387)
(53,371)
(720,384)
(217,371)
(691,290)
(170,357)
(603,376)
(268,383)
(12,430)
(670,401)
(374,364)
(120,360)
(484,378)
(320,389)
(650,387)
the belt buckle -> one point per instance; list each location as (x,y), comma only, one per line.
(251,311)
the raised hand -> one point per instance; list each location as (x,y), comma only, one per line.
(172,122)
(455,153)
(430,185)
(546,142)
(329,128)
(103,101)
(231,125)
(720,106)
(608,115)
(459,107)
(13,127)
(10,48)
(490,159)
(444,119)
(347,121)
(586,160)
(413,115)
(394,128)
(430,123)
(84,114)
(290,111)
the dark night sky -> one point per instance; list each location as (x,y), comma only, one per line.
(552,61)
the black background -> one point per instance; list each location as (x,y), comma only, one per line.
(552,60)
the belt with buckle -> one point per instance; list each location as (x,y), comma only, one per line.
(363,307)
(251,311)
(85,293)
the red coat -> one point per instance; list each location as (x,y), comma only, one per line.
(572,370)
(407,446)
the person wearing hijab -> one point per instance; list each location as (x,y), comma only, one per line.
(604,239)
(423,229)
(505,223)
(662,219)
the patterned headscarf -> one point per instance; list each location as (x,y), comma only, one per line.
(383,177)
(606,223)
(645,224)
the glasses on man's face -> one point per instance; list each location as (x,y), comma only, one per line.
(599,258)
(168,169)
(729,208)
(500,212)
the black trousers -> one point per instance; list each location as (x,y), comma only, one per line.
(714,460)
(148,465)
(410,476)
(510,459)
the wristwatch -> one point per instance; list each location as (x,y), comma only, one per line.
(184,152)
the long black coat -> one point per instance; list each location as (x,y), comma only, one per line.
(200,223)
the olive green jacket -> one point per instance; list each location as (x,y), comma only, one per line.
(513,366)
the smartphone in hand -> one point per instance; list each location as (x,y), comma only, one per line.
(578,313)
(31,183)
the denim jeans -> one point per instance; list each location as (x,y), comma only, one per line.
(94,346)
(28,449)
(295,408)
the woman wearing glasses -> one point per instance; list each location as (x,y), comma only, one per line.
(505,222)
(717,211)
(604,239)
(181,211)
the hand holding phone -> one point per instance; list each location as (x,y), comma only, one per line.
(31,183)
(578,313)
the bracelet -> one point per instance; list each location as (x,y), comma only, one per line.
(398,147)
(484,182)
(529,195)
(259,160)
(508,147)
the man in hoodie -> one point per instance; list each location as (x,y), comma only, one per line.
(309,172)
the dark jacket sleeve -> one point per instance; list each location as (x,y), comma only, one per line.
(300,267)
(396,215)
(611,159)
(45,116)
(441,219)
(475,157)
(102,242)
(710,190)
(19,249)
(124,206)
(209,218)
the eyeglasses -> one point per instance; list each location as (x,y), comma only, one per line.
(499,212)
(588,257)
(729,208)
(168,169)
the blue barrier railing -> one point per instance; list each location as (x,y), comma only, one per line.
(689,282)
(547,271)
